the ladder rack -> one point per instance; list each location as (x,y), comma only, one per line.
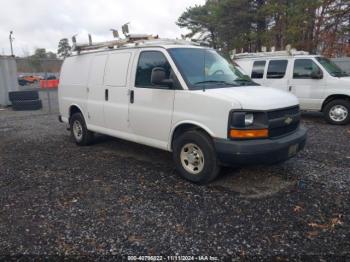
(292,52)
(130,39)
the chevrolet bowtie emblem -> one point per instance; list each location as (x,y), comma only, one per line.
(288,120)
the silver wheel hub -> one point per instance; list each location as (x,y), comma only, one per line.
(77,130)
(192,158)
(338,113)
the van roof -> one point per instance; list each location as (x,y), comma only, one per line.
(276,57)
(160,43)
(276,54)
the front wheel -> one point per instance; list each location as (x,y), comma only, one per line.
(195,157)
(79,132)
(337,112)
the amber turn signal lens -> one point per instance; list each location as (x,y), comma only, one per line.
(258,133)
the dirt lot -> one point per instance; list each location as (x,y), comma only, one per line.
(116,197)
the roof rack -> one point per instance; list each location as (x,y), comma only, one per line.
(162,41)
(131,40)
(292,52)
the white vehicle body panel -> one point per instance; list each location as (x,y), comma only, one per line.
(116,82)
(95,102)
(155,113)
(312,93)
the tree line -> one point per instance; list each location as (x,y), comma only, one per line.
(41,55)
(317,26)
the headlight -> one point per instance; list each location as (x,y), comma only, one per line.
(242,119)
(248,125)
(248,119)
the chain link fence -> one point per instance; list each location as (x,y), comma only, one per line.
(31,74)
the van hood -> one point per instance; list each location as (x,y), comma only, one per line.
(345,78)
(339,85)
(255,97)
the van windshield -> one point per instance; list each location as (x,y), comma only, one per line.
(331,67)
(205,68)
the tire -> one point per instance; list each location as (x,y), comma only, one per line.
(23,95)
(26,105)
(79,132)
(199,144)
(340,117)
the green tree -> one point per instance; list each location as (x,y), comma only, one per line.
(51,55)
(235,20)
(201,21)
(313,25)
(63,48)
(40,53)
(36,60)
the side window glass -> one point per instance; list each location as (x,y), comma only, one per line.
(147,61)
(258,69)
(277,69)
(304,68)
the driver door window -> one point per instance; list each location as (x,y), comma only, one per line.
(307,84)
(148,60)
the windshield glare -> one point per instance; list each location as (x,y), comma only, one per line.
(331,67)
(205,68)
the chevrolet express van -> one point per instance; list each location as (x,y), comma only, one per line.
(181,98)
(319,84)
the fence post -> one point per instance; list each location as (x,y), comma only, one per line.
(48,99)
(48,92)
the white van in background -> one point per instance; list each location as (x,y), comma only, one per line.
(319,84)
(181,98)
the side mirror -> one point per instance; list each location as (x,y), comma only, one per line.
(317,74)
(158,77)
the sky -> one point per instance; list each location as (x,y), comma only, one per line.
(42,23)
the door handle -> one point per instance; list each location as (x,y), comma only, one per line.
(290,88)
(131,96)
(106,94)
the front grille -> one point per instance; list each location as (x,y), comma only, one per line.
(283,112)
(278,123)
(283,130)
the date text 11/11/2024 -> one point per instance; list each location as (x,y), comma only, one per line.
(172,258)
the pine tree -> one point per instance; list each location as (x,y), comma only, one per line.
(63,48)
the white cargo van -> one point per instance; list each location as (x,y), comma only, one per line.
(181,98)
(319,84)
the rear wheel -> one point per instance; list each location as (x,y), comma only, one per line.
(195,157)
(337,112)
(79,132)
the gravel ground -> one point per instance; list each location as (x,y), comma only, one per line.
(120,198)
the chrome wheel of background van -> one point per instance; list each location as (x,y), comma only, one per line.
(338,113)
(192,158)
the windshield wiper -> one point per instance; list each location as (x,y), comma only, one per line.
(340,74)
(242,80)
(213,82)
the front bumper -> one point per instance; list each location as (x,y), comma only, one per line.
(260,151)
